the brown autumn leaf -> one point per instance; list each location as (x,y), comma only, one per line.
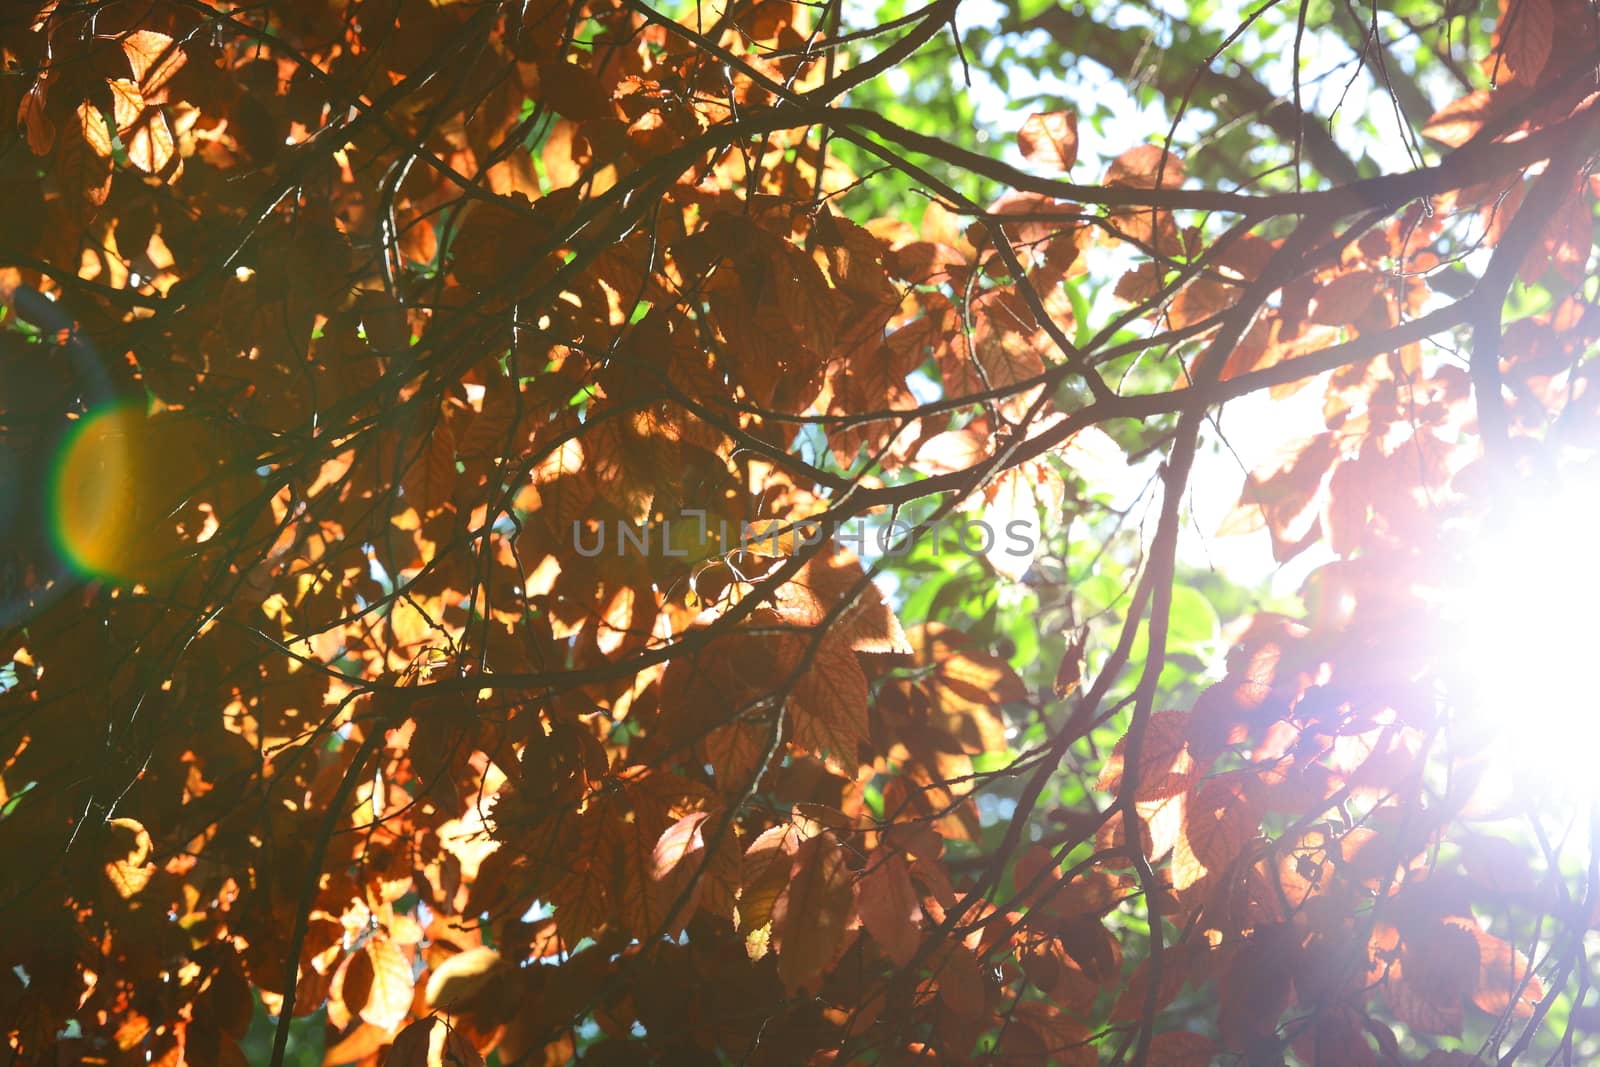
(1061,1037)
(765,875)
(812,912)
(429,475)
(1201,300)
(1504,981)
(889,906)
(1069,673)
(1140,285)
(443,282)
(835,582)
(1439,968)
(676,875)
(1146,166)
(829,700)
(1527,33)
(1460,120)
(1344,299)
(31,113)
(1181,1048)
(432,1042)
(356,1046)
(962,986)
(1050,140)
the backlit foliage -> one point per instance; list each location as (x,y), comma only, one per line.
(336,331)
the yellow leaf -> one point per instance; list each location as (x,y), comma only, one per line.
(461,977)
(392,981)
(127,103)
(130,873)
(95,134)
(150,145)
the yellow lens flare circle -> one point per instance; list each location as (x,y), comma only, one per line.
(99,494)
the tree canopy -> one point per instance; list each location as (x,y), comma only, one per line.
(761,532)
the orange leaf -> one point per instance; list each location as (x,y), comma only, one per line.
(154,57)
(1223,815)
(1165,766)
(349,990)
(365,1040)
(1050,139)
(429,476)
(1503,978)
(1061,1039)
(1139,285)
(150,145)
(1200,300)
(1439,967)
(828,579)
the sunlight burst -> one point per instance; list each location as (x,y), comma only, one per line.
(1528,653)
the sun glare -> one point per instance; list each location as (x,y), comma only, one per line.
(1528,651)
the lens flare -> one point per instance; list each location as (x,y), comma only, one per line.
(94,492)
(1528,652)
